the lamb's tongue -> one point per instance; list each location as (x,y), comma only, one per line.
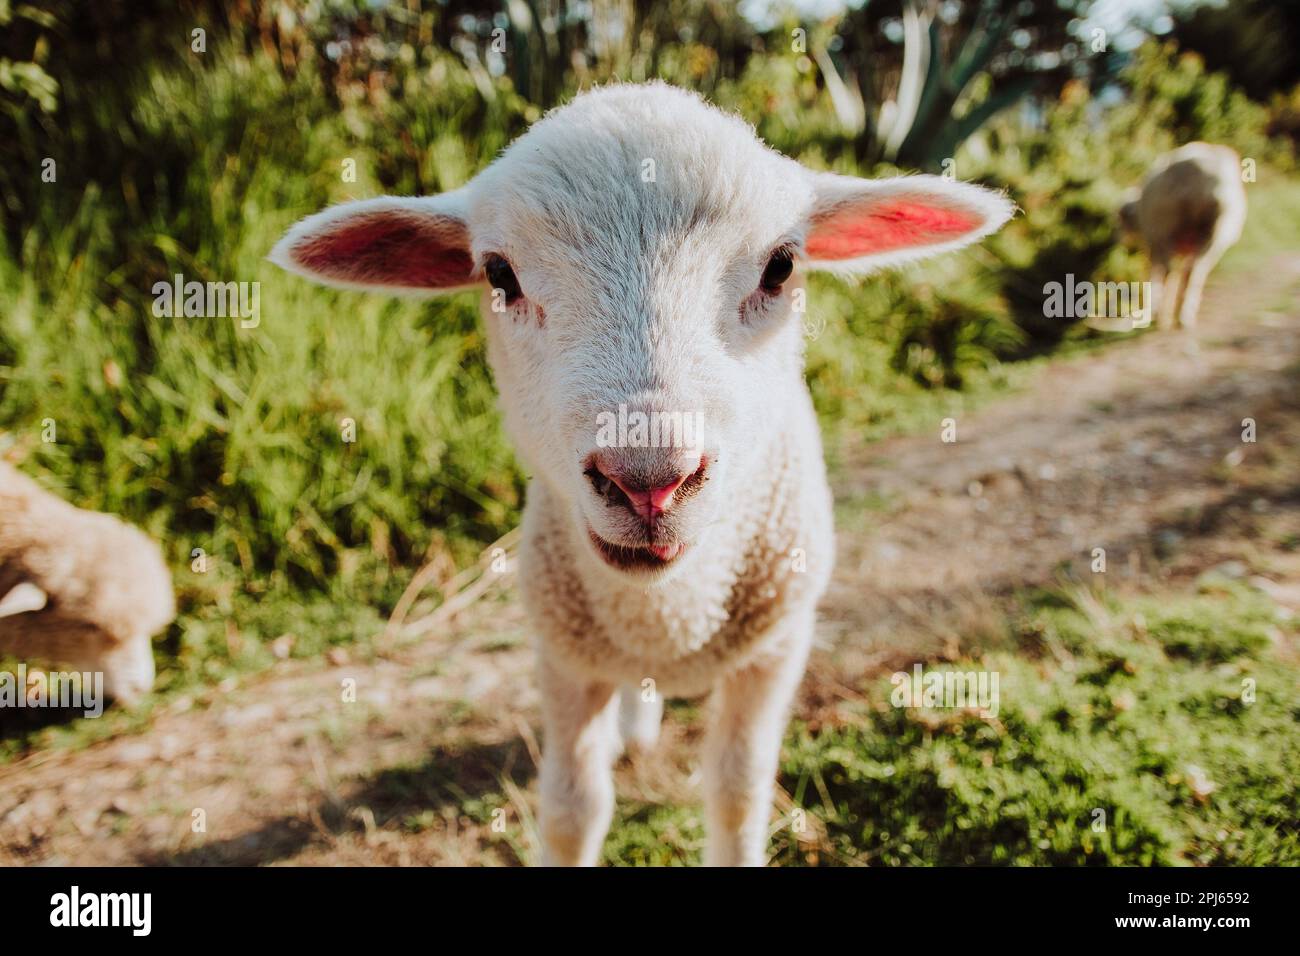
(665,552)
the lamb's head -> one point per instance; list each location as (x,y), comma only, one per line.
(640,253)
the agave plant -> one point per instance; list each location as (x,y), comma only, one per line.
(937,71)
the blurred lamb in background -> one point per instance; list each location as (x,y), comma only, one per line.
(79,587)
(1189,211)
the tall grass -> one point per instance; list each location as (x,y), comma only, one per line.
(227,438)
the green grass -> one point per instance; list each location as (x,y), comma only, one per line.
(1115,718)
(1272,224)
(1110,706)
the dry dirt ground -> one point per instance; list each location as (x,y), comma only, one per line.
(1135,448)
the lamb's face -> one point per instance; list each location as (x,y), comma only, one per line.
(639,264)
(639,250)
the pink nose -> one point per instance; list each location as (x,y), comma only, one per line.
(648,497)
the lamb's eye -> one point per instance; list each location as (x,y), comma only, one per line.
(502,277)
(778,270)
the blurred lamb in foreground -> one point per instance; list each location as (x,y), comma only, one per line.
(640,250)
(1191,207)
(79,587)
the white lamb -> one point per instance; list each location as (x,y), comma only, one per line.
(1191,207)
(79,587)
(639,247)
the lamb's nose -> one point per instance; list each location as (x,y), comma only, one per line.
(646,493)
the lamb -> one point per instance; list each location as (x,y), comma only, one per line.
(79,587)
(1191,206)
(641,252)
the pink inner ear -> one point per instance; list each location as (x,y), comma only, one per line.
(901,224)
(391,248)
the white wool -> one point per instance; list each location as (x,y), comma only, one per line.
(79,587)
(639,221)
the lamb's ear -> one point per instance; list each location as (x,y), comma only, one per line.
(418,244)
(24,597)
(858,225)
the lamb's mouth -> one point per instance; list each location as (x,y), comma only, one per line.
(636,557)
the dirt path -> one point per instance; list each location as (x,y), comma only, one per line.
(1136,449)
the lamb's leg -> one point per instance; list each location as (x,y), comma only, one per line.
(577,790)
(1198,270)
(742,749)
(1164,290)
(639,719)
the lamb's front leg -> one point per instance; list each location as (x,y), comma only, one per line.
(1198,270)
(1164,292)
(578,749)
(742,749)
